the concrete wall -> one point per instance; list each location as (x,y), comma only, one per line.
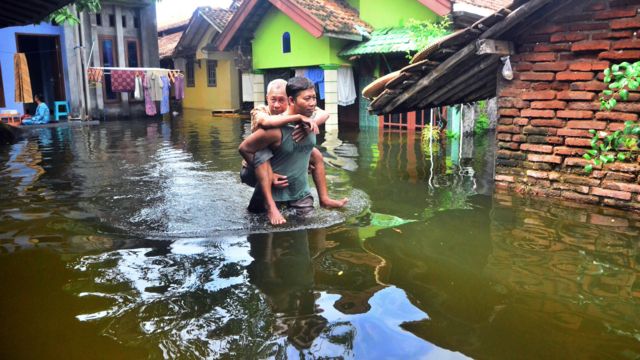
(8,49)
(225,95)
(546,112)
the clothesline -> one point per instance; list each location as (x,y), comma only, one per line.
(132,68)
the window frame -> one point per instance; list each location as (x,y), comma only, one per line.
(190,73)
(114,53)
(286,42)
(212,64)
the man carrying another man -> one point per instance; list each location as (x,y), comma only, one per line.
(275,147)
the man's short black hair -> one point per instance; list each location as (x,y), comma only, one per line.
(38,96)
(297,84)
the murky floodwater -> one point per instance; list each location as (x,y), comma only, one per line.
(130,240)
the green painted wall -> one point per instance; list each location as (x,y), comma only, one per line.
(306,50)
(384,13)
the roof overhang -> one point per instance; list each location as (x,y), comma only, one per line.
(24,12)
(440,7)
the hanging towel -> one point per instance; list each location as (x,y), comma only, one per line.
(179,87)
(166,88)
(300,72)
(122,80)
(149,105)
(22,80)
(94,75)
(138,90)
(317,76)
(247,87)
(346,86)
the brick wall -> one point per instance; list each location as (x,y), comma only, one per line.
(547,110)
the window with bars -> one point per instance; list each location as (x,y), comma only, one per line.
(191,78)
(211,73)
(286,43)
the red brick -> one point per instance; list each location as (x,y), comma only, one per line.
(521,121)
(615,126)
(589,26)
(620,55)
(568,151)
(575,114)
(505,178)
(544,47)
(589,65)
(532,130)
(574,76)
(621,186)
(510,92)
(547,149)
(571,187)
(593,45)
(519,138)
(581,180)
(511,102)
(537,76)
(508,145)
(581,105)
(508,129)
(505,121)
(538,174)
(579,142)
(554,140)
(626,44)
(567,37)
(541,86)
(616,116)
(548,29)
(539,95)
(504,137)
(624,167)
(588,86)
(615,14)
(545,158)
(537,113)
(622,195)
(553,104)
(612,35)
(576,95)
(570,195)
(628,107)
(580,162)
(509,112)
(632,23)
(548,123)
(597,125)
(550,66)
(616,176)
(538,56)
(574,132)
(523,66)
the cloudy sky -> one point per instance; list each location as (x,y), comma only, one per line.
(170,11)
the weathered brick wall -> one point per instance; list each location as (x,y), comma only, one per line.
(547,110)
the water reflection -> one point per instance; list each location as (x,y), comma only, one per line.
(130,239)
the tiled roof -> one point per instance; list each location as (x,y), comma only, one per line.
(173,25)
(166,44)
(383,41)
(487,4)
(219,17)
(336,16)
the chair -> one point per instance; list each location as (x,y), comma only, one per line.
(56,110)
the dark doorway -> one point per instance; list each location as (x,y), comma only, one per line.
(45,67)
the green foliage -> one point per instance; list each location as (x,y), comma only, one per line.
(621,145)
(452,135)
(482,123)
(425,32)
(621,78)
(430,135)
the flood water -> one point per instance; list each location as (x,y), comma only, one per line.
(130,240)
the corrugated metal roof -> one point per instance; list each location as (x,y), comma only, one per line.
(385,41)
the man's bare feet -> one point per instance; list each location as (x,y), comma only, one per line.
(330,203)
(275,218)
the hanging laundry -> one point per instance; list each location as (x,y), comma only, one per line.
(138,91)
(122,81)
(317,76)
(149,105)
(247,87)
(164,102)
(346,86)
(22,79)
(300,72)
(94,75)
(178,87)
(155,84)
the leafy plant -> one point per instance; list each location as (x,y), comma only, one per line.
(425,32)
(452,135)
(621,145)
(482,124)
(430,137)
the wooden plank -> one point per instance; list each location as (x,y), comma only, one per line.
(495,47)
(460,56)
(512,19)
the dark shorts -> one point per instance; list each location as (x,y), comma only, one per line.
(248,173)
(302,207)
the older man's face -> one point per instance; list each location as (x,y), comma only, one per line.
(277,101)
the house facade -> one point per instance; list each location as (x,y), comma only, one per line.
(212,78)
(43,46)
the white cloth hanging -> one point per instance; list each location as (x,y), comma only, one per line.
(247,87)
(346,86)
(138,92)
(300,72)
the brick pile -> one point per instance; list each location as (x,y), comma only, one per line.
(547,110)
